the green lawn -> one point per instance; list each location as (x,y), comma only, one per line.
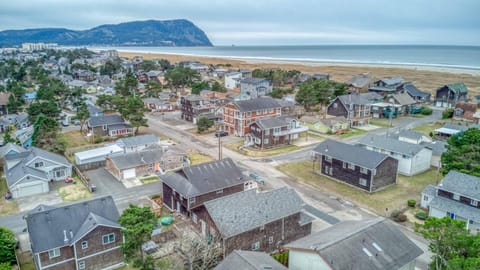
(381,123)
(429,128)
(6,207)
(253,152)
(198,158)
(351,132)
(393,197)
(149,179)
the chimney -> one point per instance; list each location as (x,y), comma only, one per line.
(71,234)
(65,238)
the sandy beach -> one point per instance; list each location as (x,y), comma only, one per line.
(427,78)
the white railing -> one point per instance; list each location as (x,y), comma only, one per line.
(291,131)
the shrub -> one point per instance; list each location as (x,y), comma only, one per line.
(421,215)
(401,218)
(426,111)
(411,203)
(98,140)
(395,214)
(448,113)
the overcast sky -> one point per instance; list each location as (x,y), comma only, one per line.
(270,22)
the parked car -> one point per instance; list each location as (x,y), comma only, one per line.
(8,195)
(221,133)
(257,178)
(69,180)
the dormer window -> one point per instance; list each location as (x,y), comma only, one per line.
(456,197)
(38,164)
(474,202)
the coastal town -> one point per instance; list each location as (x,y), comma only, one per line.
(117,160)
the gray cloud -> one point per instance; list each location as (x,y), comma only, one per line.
(249,22)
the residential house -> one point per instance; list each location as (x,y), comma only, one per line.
(28,173)
(387,86)
(456,196)
(3,102)
(320,76)
(251,88)
(82,235)
(418,95)
(138,143)
(359,83)
(257,221)
(246,73)
(353,165)
(356,108)
(9,149)
(249,260)
(448,130)
(414,137)
(240,114)
(438,148)
(194,107)
(394,105)
(98,154)
(3,125)
(111,125)
(145,163)
(24,136)
(466,111)
(448,95)
(22,120)
(29,97)
(94,111)
(326,125)
(374,244)
(158,105)
(269,132)
(412,158)
(187,189)
(232,80)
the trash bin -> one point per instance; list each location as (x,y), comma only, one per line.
(93,188)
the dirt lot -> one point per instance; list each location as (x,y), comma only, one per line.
(73,192)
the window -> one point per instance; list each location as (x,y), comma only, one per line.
(109,238)
(104,127)
(363,170)
(363,182)
(258,112)
(84,244)
(60,173)
(351,166)
(249,114)
(344,165)
(255,245)
(192,200)
(327,158)
(265,141)
(81,265)
(456,197)
(39,164)
(53,253)
(220,191)
(270,240)
(276,130)
(425,198)
(267,131)
(194,218)
(335,105)
(474,202)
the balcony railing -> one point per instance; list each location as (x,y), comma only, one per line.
(291,131)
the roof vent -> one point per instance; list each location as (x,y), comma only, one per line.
(377,247)
(367,252)
(65,238)
(71,234)
(265,266)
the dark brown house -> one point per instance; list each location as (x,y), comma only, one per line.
(273,131)
(83,235)
(356,108)
(186,190)
(448,95)
(361,168)
(258,221)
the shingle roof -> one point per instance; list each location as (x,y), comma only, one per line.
(369,244)
(205,177)
(255,104)
(461,183)
(4,150)
(391,144)
(93,109)
(46,228)
(414,91)
(458,208)
(393,81)
(271,122)
(134,141)
(410,134)
(253,80)
(458,88)
(359,81)
(135,159)
(361,98)
(404,99)
(350,153)
(430,190)
(243,211)
(438,147)
(110,119)
(249,260)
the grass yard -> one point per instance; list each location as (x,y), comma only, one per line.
(75,139)
(428,128)
(351,132)
(252,152)
(381,123)
(393,197)
(149,179)
(26,260)
(311,135)
(73,192)
(6,206)
(198,158)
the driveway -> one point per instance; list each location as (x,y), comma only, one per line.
(105,182)
(30,202)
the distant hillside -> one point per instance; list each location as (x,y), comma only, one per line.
(138,33)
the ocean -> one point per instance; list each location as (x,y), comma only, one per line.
(457,57)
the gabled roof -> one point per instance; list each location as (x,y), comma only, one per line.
(255,104)
(46,228)
(110,119)
(438,147)
(244,211)
(135,159)
(204,178)
(9,147)
(360,98)
(93,109)
(272,122)
(134,141)
(249,260)
(369,244)
(457,88)
(391,144)
(461,183)
(410,134)
(350,153)
(411,89)
(392,81)
(403,99)
(359,81)
(458,208)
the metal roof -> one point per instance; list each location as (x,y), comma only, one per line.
(255,104)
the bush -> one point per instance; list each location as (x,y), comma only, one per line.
(395,214)
(411,203)
(98,140)
(398,216)
(421,215)
(448,113)
(401,218)
(426,111)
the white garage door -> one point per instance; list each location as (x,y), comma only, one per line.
(31,188)
(130,173)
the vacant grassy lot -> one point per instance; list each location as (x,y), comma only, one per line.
(394,197)
(75,139)
(351,132)
(6,207)
(198,158)
(74,192)
(429,128)
(252,152)
(26,260)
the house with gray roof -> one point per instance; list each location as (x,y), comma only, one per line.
(456,196)
(29,172)
(81,235)
(111,125)
(417,94)
(186,190)
(412,158)
(359,83)
(387,86)
(373,244)
(138,143)
(438,148)
(448,130)
(448,95)
(274,131)
(251,88)
(356,166)
(257,221)
(249,260)
(356,107)
(410,136)
(9,149)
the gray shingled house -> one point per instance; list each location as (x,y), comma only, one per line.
(249,260)
(138,143)
(356,108)
(257,221)
(112,125)
(82,235)
(374,244)
(353,165)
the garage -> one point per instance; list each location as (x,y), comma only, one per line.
(30,188)
(129,173)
